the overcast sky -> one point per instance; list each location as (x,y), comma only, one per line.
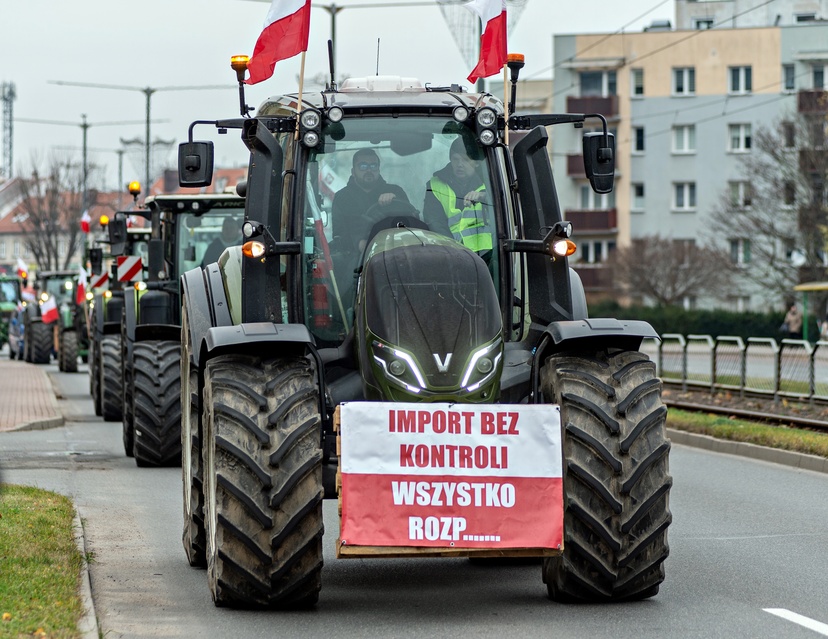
(179,43)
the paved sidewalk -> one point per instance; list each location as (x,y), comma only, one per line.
(27,400)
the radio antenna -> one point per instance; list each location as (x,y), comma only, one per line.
(331,64)
(378,47)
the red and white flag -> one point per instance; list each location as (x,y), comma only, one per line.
(85,222)
(285,34)
(80,296)
(492,14)
(49,310)
(22,269)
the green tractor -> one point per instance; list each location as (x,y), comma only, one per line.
(393,303)
(106,312)
(10,297)
(52,324)
(184,229)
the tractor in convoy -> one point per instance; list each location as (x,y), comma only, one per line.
(55,323)
(392,303)
(184,230)
(10,298)
(106,311)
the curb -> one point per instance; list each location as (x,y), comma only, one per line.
(753,451)
(40,424)
(88,623)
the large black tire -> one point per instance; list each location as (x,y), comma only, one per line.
(192,469)
(156,395)
(41,337)
(69,352)
(110,373)
(615,476)
(263,482)
(126,395)
(95,377)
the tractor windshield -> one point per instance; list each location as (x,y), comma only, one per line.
(62,289)
(421,172)
(202,238)
(9,291)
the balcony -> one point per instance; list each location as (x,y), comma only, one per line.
(815,101)
(594,278)
(605,105)
(592,220)
(575,165)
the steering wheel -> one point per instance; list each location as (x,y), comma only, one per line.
(396,213)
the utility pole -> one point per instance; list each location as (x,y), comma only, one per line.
(8,95)
(148,93)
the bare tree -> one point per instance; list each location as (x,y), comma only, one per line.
(52,211)
(665,271)
(775,219)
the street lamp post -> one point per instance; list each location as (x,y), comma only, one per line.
(148,93)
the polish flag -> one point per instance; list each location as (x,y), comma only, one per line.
(22,269)
(49,311)
(285,34)
(492,14)
(85,221)
(80,295)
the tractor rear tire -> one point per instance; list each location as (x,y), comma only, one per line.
(615,476)
(41,337)
(69,352)
(262,482)
(192,468)
(127,399)
(110,374)
(156,402)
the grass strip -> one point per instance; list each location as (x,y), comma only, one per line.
(739,430)
(40,564)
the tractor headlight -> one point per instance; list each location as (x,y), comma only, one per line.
(486,120)
(460,114)
(398,367)
(335,114)
(482,365)
(310,125)
(486,117)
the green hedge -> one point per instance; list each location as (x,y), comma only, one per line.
(672,319)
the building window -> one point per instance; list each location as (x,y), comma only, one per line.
(805,17)
(638,197)
(16,250)
(741,194)
(2,249)
(61,247)
(595,252)
(684,138)
(789,193)
(789,133)
(788,77)
(819,76)
(638,139)
(637,82)
(592,201)
(684,196)
(703,23)
(741,80)
(684,81)
(739,303)
(27,251)
(739,138)
(602,83)
(740,251)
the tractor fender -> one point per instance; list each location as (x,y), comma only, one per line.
(207,306)
(260,338)
(130,313)
(579,302)
(165,332)
(592,334)
(100,319)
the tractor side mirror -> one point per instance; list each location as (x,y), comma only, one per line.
(117,235)
(599,161)
(195,164)
(96,260)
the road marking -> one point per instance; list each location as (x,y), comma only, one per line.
(806,622)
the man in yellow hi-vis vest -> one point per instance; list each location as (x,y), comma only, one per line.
(456,201)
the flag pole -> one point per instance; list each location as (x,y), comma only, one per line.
(506,103)
(301,86)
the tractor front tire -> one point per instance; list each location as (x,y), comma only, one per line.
(95,377)
(192,468)
(262,482)
(615,476)
(110,374)
(156,402)
(41,337)
(69,352)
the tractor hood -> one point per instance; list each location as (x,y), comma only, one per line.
(432,324)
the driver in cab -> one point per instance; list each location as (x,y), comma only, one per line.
(363,201)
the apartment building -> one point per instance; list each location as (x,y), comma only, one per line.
(684,106)
(739,14)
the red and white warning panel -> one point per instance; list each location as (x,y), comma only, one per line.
(98,281)
(450,477)
(130,268)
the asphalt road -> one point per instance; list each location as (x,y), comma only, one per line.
(747,536)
